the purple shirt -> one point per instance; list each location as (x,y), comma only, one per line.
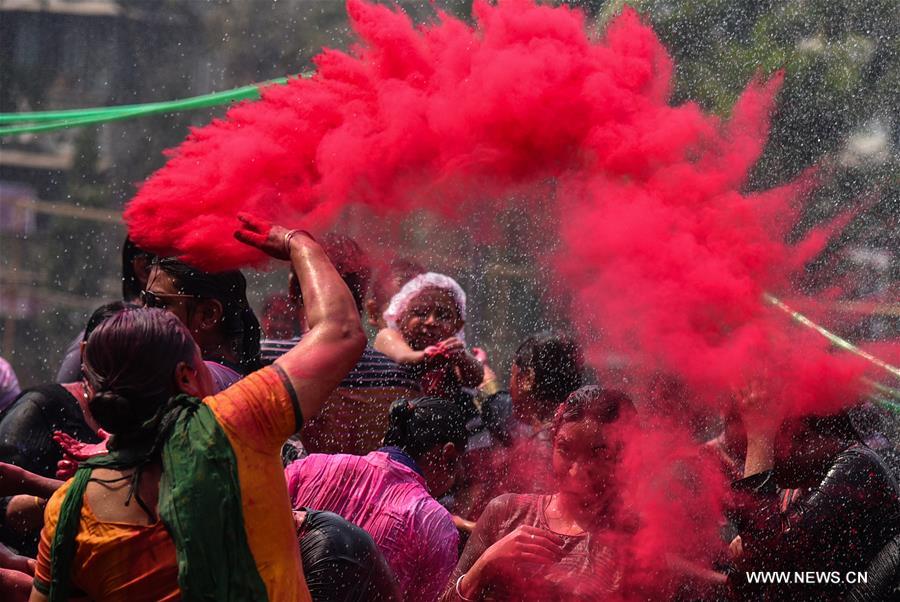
(222,376)
(390,501)
(9,384)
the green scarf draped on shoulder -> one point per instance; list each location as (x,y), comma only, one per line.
(199,504)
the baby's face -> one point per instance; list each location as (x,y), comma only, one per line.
(430,317)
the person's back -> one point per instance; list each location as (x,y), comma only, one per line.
(125,551)
(341,561)
(391,502)
(391,492)
(209,471)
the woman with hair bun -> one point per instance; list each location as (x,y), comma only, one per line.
(210,518)
(391,492)
(558,546)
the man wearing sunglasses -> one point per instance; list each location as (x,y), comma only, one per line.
(214,307)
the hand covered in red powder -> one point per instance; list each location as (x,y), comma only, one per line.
(76,451)
(520,550)
(513,557)
(270,239)
(434,356)
(452,347)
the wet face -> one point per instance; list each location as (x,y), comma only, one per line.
(430,317)
(585,456)
(165,295)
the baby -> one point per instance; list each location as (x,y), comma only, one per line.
(424,333)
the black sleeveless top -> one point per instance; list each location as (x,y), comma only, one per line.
(27,425)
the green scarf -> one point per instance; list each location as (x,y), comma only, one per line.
(199,503)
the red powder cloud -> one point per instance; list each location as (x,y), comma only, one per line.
(661,250)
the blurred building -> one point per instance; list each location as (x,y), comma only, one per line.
(60,224)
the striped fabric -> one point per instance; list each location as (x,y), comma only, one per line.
(354,419)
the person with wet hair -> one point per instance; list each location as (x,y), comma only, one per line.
(547,367)
(341,562)
(213,306)
(27,426)
(190,501)
(135,271)
(562,545)
(354,418)
(391,492)
(845,511)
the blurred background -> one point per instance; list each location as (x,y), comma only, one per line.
(62,192)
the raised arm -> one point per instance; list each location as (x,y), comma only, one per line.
(335,340)
(391,343)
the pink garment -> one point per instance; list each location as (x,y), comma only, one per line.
(390,501)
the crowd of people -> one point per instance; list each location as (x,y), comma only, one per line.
(188,451)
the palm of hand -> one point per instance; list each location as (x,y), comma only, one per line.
(74,449)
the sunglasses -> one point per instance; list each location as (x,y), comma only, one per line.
(158,300)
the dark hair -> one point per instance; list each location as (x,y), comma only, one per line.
(835,426)
(351,263)
(417,425)
(238,323)
(595,403)
(556,361)
(131,286)
(103,312)
(130,361)
(403,269)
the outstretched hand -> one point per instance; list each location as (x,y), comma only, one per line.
(269,238)
(75,451)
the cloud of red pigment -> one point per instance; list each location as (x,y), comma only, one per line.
(663,253)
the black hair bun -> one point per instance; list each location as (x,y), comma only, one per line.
(400,414)
(113,412)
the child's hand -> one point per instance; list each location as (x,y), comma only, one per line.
(452,347)
(431,352)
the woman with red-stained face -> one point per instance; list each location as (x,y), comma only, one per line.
(561,545)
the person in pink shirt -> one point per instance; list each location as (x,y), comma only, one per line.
(391,492)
